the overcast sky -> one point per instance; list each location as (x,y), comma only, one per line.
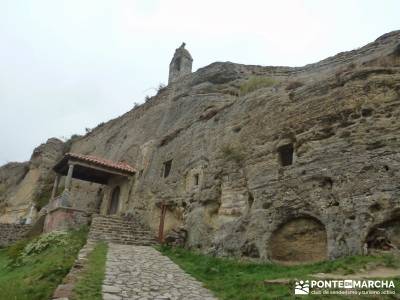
(71,64)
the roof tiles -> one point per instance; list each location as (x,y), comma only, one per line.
(122,166)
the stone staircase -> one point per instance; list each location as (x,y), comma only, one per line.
(119,231)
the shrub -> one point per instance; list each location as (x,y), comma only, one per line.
(14,251)
(69,142)
(232,153)
(43,242)
(43,198)
(254,83)
(161,87)
(27,247)
(294,85)
(37,276)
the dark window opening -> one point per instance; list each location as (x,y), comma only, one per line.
(167,168)
(286,154)
(196,179)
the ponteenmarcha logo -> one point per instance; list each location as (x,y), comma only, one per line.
(344,287)
(302,287)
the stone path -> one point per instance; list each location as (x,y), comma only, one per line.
(141,272)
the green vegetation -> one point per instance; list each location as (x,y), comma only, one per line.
(43,198)
(256,83)
(15,250)
(230,279)
(32,269)
(232,153)
(89,286)
(68,143)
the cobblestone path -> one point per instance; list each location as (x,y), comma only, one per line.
(141,272)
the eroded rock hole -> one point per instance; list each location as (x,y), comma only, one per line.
(236,129)
(250,200)
(367,112)
(326,182)
(299,240)
(375,207)
(385,236)
(250,250)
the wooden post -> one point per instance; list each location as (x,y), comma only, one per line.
(69,177)
(55,187)
(162,219)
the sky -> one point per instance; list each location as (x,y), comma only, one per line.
(67,65)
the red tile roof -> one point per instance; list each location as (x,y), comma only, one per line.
(122,166)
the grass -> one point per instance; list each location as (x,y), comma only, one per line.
(254,83)
(89,285)
(234,280)
(14,251)
(37,275)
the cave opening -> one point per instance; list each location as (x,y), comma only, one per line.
(286,155)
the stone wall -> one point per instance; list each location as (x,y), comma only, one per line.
(10,233)
(65,218)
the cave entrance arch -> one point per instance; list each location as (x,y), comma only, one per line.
(302,239)
(114,203)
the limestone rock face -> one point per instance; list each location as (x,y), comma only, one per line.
(23,185)
(254,149)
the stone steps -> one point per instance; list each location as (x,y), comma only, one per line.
(116,230)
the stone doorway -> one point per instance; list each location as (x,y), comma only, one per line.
(114,203)
(299,240)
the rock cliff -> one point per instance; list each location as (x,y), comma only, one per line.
(27,185)
(265,162)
